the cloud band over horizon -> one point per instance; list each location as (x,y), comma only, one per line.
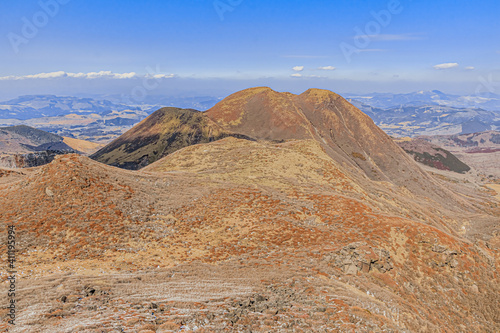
(90,75)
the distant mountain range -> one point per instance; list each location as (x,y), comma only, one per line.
(104,118)
(430,112)
(152,103)
(36,106)
(414,120)
(99,119)
(488,101)
(79,118)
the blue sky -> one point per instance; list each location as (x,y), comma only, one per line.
(207,46)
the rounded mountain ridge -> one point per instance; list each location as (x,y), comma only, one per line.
(347,135)
(263,106)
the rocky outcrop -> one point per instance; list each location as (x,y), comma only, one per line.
(5,173)
(16,161)
(448,257)
(360,257)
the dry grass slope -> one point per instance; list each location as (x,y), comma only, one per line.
(322,225)
(236,235)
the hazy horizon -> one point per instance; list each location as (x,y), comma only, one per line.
(177,87)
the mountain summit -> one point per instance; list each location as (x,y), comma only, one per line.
(347,135)
(261,114)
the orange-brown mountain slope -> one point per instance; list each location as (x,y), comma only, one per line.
(348,136)
(235,235)
(253,235)
(163,132)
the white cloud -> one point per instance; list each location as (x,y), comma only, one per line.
(327,68)
(103,74)
(53,75)
(78,75)
(130,75)
(296,75)
(163,76)
(90,75)
(446,65)
(470,68)
(298,68)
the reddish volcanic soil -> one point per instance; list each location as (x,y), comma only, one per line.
(324,225)
(212,246)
